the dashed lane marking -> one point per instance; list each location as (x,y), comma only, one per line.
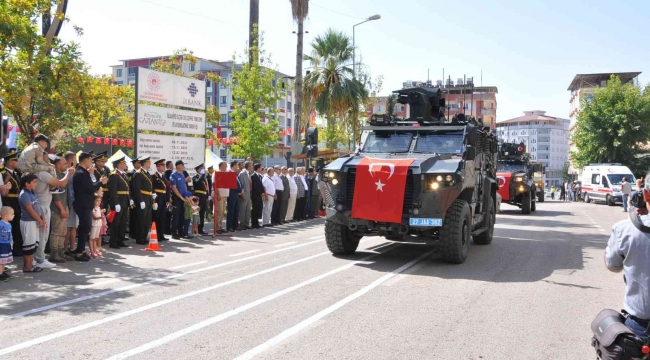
(244,253)
(285,244)
(187,265)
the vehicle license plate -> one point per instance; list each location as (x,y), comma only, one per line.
(425,222)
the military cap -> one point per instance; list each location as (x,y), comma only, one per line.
(210,167)
(135,161)
(91,152)
(160,162)
(59,154)
(53,158)
(118,161)
(11,156)
(142,159)
(198,167)
(12,150)
(102,156)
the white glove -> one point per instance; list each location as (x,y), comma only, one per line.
(202,172)
(142,205)
(155,206)
(131,202)
(209,198)
(154,196)
(118,208)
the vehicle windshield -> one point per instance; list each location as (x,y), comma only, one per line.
(387,142)
(440,142)
(511,166)
(617,179)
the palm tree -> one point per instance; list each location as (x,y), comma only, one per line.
(299,11)
(331,86)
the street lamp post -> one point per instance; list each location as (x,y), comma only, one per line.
(354,74)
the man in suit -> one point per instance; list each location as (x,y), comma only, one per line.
(142,192)
(314,192)
(169,169)
(245,203)
(120,200)
(301,195)
(233,201)
(285,195)
(84,200)
(161,199)
(256,196)
(201,191)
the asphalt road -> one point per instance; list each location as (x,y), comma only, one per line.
(279,294)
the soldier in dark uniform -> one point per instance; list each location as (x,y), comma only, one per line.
(10,175)
(133,215)
(169,169)
(201,191)
(102,170)
(142,192)
(161,199)
(120,199)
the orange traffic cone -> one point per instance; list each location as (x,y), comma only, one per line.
(153,240)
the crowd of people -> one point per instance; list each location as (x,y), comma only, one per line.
(66,203)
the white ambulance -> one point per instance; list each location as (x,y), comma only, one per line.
(602,182)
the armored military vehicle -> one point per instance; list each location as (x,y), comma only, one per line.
(516,177)
(424,177)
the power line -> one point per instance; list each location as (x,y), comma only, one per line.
(187,12)
(336,12)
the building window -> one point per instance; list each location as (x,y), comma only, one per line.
(288,106)
(132,71)
(224,118)
(119,82)
(222,153)
(118,73)
(223,100)
(192,66)
(208,84)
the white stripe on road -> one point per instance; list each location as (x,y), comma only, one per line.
(97,284)
(223,316)
(307,322)
(285,244)
(244,253)
(317,237)
(133,286)
(122,315)
(187,265)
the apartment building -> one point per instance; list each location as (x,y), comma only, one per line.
(546,139)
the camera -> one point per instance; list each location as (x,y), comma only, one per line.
(636,199)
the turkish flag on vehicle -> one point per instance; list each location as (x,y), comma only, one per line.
(379,189)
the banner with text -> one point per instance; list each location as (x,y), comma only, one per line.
(170,89)
(190,150)
(171,120)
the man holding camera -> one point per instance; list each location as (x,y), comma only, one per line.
(628,249)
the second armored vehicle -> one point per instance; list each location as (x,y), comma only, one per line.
(421,177)
(515,175)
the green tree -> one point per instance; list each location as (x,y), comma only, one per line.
(330,87)
(256,92)
(614,126)
(390,104)
(299,11)
(566,176)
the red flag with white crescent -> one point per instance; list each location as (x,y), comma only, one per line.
(379,189)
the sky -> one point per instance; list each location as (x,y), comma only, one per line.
(529,50)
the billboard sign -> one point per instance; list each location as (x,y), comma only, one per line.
(164,119)
(168,89)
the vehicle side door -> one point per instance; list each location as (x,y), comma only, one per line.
(595,185)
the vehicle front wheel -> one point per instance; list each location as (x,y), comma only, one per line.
(540,197)
(339,239)
(609,201)
(526,204)
(456,232)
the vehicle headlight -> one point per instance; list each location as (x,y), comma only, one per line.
(521,188)
(335,182)
(331,174)
(519,178)
(434,182)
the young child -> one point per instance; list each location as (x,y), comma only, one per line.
(187,215)
(195,215)
(30,220)
(95,237)
(33,159)
(6,241)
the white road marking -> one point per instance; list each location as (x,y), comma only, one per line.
(122,315)
(317,237)
(133,286)
(187,265)
(223,316)
(285,244)
(321,314)
(244,253)
(97,284)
